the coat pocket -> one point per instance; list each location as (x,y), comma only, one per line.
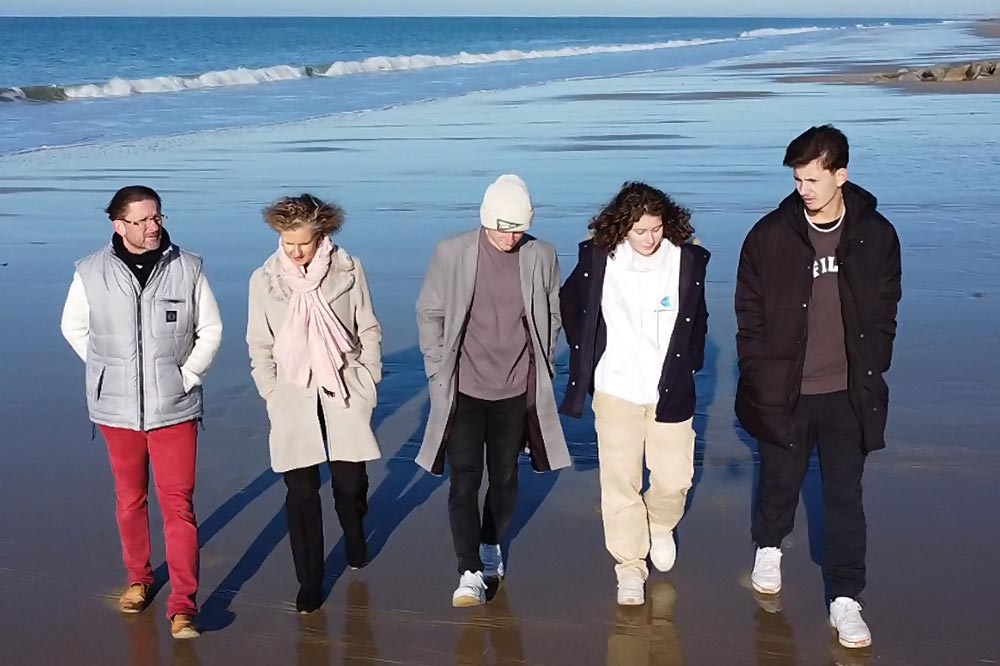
(106,391)
(105,381)
(170,387)
(366,383)
(97,383)
(768,382)
(169,381)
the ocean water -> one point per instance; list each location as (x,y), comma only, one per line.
(71,81)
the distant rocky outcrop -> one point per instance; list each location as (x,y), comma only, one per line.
(964,72)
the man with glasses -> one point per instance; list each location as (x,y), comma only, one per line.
(141,315)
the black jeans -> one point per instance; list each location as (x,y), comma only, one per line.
(500,426)
(305,517)
(829,422)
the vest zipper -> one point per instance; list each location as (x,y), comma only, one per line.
(139,289)
(142,379)
(138,327)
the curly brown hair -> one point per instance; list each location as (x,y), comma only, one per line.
(634,199)
(290,213)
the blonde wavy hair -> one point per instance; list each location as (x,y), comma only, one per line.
(290,213)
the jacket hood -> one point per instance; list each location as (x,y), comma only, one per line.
(858,201)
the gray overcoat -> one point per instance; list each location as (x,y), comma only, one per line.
(442,311)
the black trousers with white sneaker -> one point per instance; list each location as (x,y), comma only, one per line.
(829,423)
(496,427)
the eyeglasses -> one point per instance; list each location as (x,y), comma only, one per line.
(146,221)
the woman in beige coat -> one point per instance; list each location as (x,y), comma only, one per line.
(315,354)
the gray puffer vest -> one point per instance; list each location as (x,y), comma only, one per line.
(139,338)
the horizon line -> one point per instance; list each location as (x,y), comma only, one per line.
(970,16)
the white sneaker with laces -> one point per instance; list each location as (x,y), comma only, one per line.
(492,559)
(631,589)
(766,576)
(845,617)
(471,590)
(663,551)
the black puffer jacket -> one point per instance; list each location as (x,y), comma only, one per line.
(773,291)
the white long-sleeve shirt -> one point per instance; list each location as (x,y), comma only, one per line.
(639,302)
(75,327)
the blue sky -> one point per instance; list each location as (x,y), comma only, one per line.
(929,8)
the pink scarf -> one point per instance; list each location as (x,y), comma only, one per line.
(311,339)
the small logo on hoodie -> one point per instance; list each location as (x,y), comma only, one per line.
(171,316)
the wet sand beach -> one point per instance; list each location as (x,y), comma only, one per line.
(988,28)
(983,50)
(711,136)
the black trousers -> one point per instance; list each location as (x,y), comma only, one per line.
(828,422)
(498,427)
(305,517)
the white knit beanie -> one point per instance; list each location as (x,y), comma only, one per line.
(507,205)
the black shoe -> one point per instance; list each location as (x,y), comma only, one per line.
(357,552)
(308,599)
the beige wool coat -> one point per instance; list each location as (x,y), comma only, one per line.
(296,438)
(442,311)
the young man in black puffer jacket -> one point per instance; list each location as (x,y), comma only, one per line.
(816,296)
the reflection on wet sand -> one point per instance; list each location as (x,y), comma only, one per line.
(774,636)
(184,653)
(491,637)
(360,648)
(645,635)
(841,656)
(144,643)
(143,640)
(314,646)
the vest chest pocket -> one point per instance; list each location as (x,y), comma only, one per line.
(171,317)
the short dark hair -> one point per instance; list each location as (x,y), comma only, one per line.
(129,195)
(825,143)
(612,224)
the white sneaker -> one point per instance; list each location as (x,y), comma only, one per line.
(471,590)
(492,561)
(766,576)
(631,589)
(663,551)
(845,617)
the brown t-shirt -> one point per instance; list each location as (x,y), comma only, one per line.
(494,358)
(825,369)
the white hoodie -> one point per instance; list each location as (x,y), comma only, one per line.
(640,302)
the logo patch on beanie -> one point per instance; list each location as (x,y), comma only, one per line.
(504,225)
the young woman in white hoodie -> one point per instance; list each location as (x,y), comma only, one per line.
(635,317)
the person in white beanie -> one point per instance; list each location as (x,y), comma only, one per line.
(488,320)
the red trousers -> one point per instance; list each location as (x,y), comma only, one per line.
(172,451)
